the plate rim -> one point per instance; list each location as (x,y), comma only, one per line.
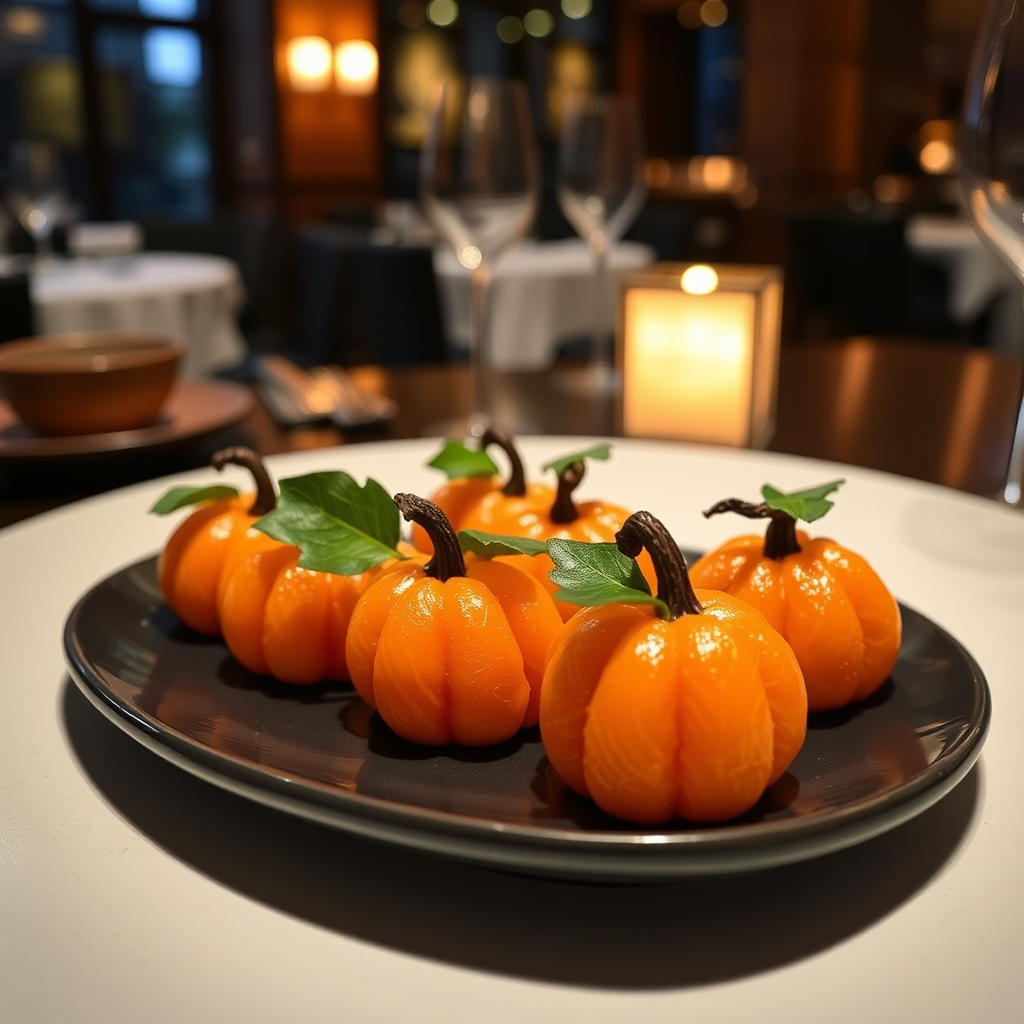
(36,447)
(598,854)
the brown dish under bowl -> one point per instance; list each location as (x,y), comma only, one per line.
(92,382)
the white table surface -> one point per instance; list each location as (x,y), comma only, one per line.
(193,295)
(131,890)
(541,293)
(977,276)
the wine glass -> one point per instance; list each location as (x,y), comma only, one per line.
(992,163)
(479,189)
(600,188)
(35,191)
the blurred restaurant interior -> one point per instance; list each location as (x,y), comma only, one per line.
(764,122)
(820,138)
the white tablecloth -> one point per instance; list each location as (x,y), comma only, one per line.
(977,277)
(130,890)
(191,295)
(542,293)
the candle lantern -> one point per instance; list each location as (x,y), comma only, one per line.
(698,349)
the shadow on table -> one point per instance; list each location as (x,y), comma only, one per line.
(652,936)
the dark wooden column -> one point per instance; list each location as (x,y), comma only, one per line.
(803,107)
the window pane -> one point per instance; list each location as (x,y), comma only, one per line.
(40,89)
(18,8)
(172,10)
(154,102)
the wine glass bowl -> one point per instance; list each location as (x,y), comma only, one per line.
(600,168)
(479,189)
(600,189)
(35,191)
(992,164)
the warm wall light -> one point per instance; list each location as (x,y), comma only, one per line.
(309,63)
(355,67)
(937,153)
(24,25)
(698,347)
(718,174)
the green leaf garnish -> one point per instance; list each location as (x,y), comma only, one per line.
(595,574)
(493,545)
(338,526)
(456,460)
(599,451)
(808,504)
(182,497)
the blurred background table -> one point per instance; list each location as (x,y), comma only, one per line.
(978,279)
(193,295)
(940,413)
(542,295)
(369,296)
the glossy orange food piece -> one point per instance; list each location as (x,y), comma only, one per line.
(530,516)
(190,564)
(459,661)
(657,719)
(460,495)
(282,620)
(457,499)
(839,617)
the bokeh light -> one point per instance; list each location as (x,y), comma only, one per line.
(688,14)
(442,12)
(700,279)
(510,29)
(577,9)
(713,13)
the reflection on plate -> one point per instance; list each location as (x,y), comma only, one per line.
(320,753)
(195,408)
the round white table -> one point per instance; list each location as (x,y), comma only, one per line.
(542,293)
(195,296)
(129,886)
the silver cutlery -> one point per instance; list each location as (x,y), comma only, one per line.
(296,395)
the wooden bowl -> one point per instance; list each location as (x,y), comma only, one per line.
(93,382)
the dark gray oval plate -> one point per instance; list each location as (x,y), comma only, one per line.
(320,753)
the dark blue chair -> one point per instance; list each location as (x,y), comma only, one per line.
(17,316)
(359,302)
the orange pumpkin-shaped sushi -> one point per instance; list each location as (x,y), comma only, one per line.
(839,617)
(689,714)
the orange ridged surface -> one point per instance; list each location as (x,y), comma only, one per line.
(532,617)
(441,661)
(191,562)
(691,718)
(830,605)
(282,620)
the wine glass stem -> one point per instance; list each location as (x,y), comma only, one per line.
(43,244)
(1012,490)
(600,355)
(481,352)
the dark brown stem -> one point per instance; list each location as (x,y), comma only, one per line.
(266,496)
(447,561)
(780,537)
(515,486)
(563,508)
(642,530)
